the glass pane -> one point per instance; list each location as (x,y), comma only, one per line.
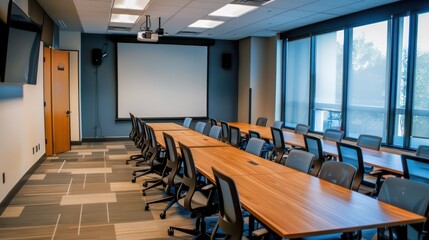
(420,118)
(297,82)
(329,81)
(368,83)
(401,92)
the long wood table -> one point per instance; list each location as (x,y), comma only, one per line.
(167,126)
(384,160)
(293,204)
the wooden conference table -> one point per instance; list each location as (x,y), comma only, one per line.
(291,203)
(388,161)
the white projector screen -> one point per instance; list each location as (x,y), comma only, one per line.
(161,80)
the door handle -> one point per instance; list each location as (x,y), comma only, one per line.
(68,112)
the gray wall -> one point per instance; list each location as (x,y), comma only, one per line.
(223,87)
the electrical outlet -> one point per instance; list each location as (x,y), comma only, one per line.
(33,150)
(4,178)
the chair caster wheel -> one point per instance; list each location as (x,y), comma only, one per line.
(170,232)
(137,164)
(146,207)
(162,215)
(144,193)
(126,162)
(133,180)
(145,184)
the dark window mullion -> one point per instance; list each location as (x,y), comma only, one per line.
(412,49)
(312,85)
(394,47)
(348,36)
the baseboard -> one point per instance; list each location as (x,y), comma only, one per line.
(105,139)
(76,142)
(20,184)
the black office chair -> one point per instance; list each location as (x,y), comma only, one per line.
(254,146)
(155,161)
(262,121)
(302,129)
(230,215)
(191,197)
(278,124)
(169,177)
(144,145)
(136,135)
(187,122)
(225,131)
(423,151)
(299,160)
(352,155)
(279,149)
(339,173)
(369,141)
(215,132)
(213,122)
(313,145)
(334,135)
(411,196)
(416,168)
(266,148)
(235,138)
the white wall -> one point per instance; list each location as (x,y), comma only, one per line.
(22,128)
(260,71)
(72,41)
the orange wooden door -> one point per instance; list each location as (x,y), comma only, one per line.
(60,101)
(47,86)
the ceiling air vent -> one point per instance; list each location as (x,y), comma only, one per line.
(115,28)
(189,33)
(251,2)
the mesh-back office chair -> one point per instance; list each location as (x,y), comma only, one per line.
(225,131)
(416,168)
(213,122)
(144,144)
(339,173)
(169,177)
(352,155)
(265,149)
(278,124)
(155,162)
(369,141)
(200,126)
(235,139)
(314,145)
(192,198)
(136,135)
(215,132)
(423,151)
(334,135)
(299,160)
(230,216)
(279,148)
(262,121)
(187,122)
(411,196)
(302,129)
(254,146)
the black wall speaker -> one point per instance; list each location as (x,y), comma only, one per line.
(97,57)
(226,61)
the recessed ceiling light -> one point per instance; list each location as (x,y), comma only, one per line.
(123,18)
(205,24)
(131,4)
(232,10)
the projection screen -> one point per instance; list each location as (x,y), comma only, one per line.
(161,80)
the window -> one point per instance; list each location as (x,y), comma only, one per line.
(401,90)
(328,81)
(420,109)
(368,84)
(297,82)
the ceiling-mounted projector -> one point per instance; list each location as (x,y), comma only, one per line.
(147,35)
